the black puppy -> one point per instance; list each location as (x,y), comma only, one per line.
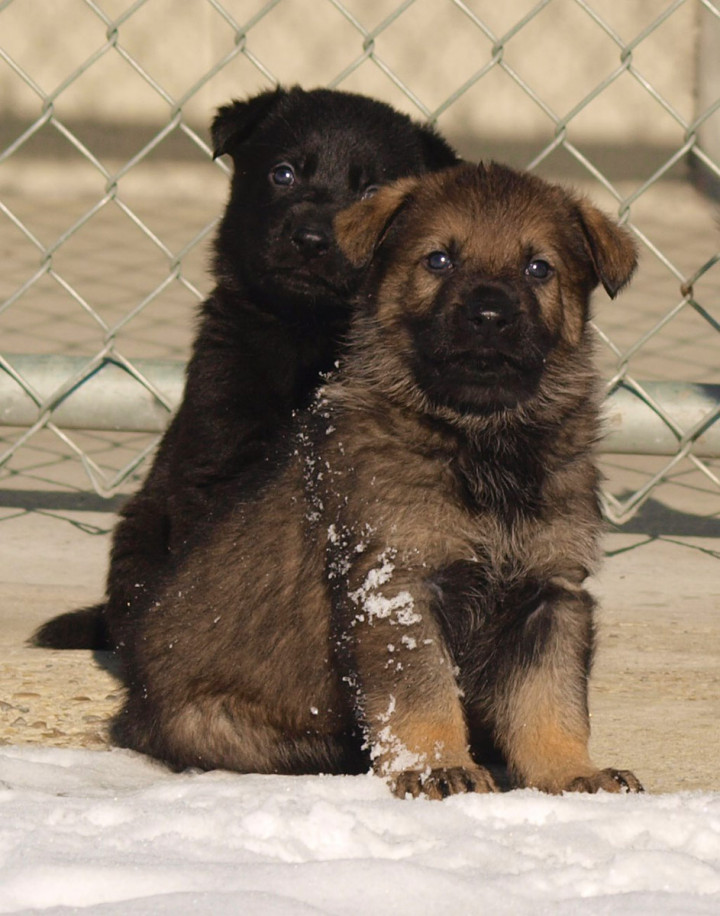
(272,325)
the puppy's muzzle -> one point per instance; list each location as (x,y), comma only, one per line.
(491,312)
(311,240)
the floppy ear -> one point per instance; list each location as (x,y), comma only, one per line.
(234,123)
(361,228)
(611,248)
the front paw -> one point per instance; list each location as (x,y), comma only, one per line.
(441,782)
(608,780)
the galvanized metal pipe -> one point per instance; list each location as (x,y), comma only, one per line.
(111,398)
(635,427)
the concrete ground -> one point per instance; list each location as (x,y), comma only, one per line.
(655,693)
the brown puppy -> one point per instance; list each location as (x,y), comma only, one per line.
(411,588)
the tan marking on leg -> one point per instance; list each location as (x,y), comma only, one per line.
(545,732)
(408,738)
(442,741)
(431,758)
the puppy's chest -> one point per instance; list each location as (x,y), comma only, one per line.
(530,528)
(507,486)
(434,503)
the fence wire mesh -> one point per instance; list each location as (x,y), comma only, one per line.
(108,199)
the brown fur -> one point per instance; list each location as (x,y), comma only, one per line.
(412,586)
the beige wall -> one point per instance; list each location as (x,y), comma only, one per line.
(433,47)
(708,80)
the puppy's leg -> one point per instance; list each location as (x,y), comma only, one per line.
(542,721)
(406,692)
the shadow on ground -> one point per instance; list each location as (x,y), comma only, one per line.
(657,520)
(57,501)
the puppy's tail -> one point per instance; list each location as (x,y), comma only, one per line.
(82,629)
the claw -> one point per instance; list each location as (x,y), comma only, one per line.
(443,782)
(609,780)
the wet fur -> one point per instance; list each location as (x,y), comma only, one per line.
(410,589)
(273,324)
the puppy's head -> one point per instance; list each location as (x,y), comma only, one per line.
(480,282)
(299,157)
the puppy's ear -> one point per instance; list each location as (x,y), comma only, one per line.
(611,248)
(234,123)
(361,228)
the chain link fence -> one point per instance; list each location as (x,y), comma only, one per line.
(108,197)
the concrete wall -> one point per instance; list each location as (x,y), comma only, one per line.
(708,86)
(433,47)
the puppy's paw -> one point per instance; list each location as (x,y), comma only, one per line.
(441,782)
(608,780)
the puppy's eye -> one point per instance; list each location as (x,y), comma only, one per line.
(283,175)
(538,269)
(370,191)
(438,261)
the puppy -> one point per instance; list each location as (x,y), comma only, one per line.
(272,325)
(411,588)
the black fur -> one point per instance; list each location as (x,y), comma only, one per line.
(272,325)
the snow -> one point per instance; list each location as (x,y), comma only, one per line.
(111,832)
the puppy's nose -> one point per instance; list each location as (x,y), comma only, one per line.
(491,309)
(311,240)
